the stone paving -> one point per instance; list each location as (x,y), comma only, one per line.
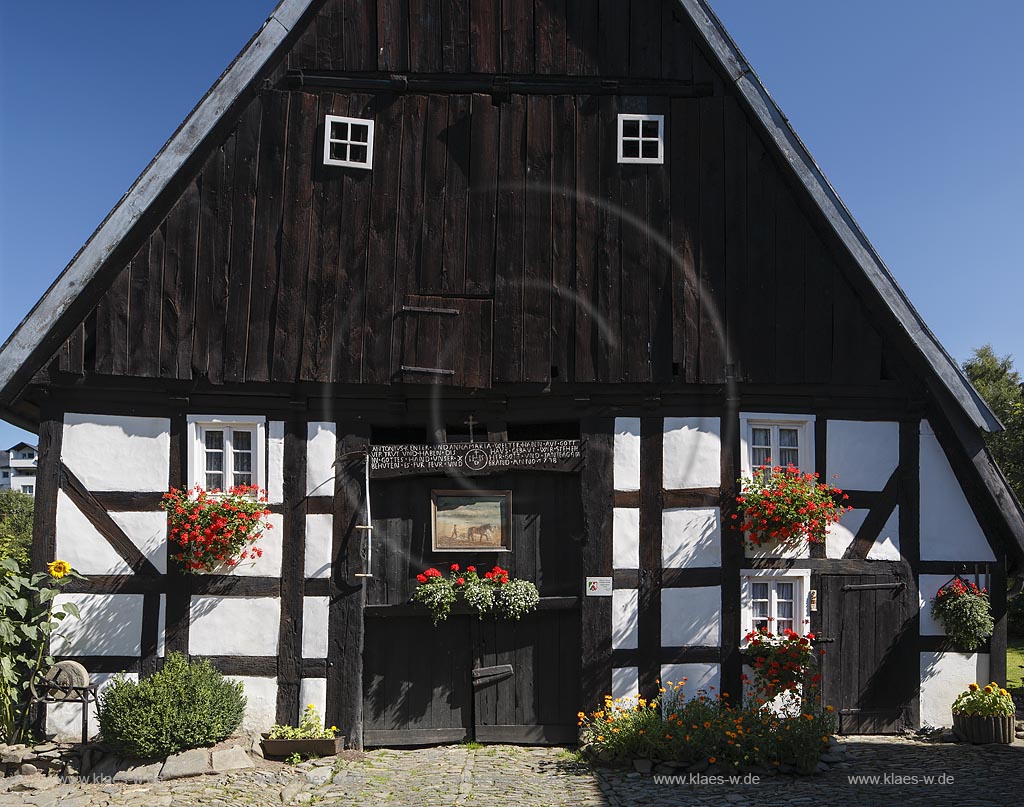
(507,776)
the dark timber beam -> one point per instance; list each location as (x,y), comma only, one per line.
(345,632)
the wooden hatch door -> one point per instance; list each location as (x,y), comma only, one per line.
(446,340)
(526,676)
(869,670)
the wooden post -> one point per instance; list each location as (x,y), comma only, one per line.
(652,438)
(179,584)
(732,555)
(293,565)
(345,632)
(910,549)
(597,492)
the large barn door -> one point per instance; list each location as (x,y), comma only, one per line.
(866,672)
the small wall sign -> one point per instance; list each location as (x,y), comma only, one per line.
(599,587)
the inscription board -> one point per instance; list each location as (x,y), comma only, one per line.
(475,458)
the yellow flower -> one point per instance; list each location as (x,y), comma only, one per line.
(58,568)
(1003,691)
(988,690)
(973,687)
(310,705)
(829,709)
(711,760)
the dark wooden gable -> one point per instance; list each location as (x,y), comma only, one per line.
(496,239)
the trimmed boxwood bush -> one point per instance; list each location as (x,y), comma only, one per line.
(184,705)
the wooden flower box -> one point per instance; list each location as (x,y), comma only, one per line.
(307,748)
(984,729)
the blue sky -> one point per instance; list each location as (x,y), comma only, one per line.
(914,111)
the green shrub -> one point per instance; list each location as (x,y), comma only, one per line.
(184,705)
(1015,615)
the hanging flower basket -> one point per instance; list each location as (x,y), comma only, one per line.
(984,715)
(492,592)
(965,612)
(212,529)
(786,506)
(781,663)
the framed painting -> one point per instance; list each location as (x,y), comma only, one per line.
(471,521)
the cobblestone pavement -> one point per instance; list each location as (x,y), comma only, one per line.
(506,776)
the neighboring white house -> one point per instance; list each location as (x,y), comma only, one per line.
(18,468)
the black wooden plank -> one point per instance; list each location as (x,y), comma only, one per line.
(676,45)
(457,143)
(613,37)
(817,314)
(483,173)
(260,666)
(360,34)
(226,585)
(243,211)
(733,560)
(112,327)
(712,237)
(176,607)
(293,553)
(144,308)
(537,274)
(345,634)
(435,160)
(549,36)
(660,287)
(485,36)
(179,286)
(649,607)
(634,324)
(393,35)
(581,30)
(510,243)
(589,136)
(608,273)
(118,584)
(645,41)
(684,136)
(330,31)
(425,36)
(596,613)
(150,663)
(756,332)
(789,290)
(910,549)
(44,516)
(455,41)
(289,305)
(517,47)
(266,255)
(563,235)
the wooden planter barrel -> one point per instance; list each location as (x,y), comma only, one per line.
(306,747)
(984,729)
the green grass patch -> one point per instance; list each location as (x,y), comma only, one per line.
(472,746)
(1015,663)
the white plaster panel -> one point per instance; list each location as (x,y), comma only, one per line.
(691,617)
(862,453)
(161,627)
(698,677)
(110,625)
(234,626)
(839,536)
(943,677)
(887,544)
(625,613)
(625,682)
(691,536)
(772,549)
(109,452)
(80,543)
(260,702)
(320,455)
(269,563)
(64,720)
(949,530)
(692,453)
(627,454)
(148,531)
(315,611)
(313,691)
(319,538)
(275,461)
(626,537)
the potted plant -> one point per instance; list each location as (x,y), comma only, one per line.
(211,529)
(786,506)
(309,739)
(491,592)
(984,714)
(780,662)
(965,613)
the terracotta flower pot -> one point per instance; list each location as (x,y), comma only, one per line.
(310,748)
(983,728)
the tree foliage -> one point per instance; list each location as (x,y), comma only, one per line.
(1000,385)
(16,510)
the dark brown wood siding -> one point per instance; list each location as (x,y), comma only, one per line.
(511,211)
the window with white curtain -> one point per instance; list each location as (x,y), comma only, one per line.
(226,452)
(775,601)
(782,440)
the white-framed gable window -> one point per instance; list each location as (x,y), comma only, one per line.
(641,138)
(775,600)
(348,142)
(776,439)
(227,451)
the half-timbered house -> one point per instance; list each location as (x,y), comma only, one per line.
(569,249)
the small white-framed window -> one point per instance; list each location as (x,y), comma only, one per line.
(641,139)
(348,142)
(29,489)
(775,600)
(227,451)
(776,439)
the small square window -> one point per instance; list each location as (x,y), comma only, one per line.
(348,142)
(776,440)
(642,139)
(225,452)
(775,601)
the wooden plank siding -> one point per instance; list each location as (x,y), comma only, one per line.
(271,267)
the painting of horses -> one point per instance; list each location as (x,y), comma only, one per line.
(472,521)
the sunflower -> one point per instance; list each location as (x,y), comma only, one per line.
(58,568)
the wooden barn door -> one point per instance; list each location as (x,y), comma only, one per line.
(869,672)
(470,679)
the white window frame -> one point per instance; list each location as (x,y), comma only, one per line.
(329,120)
(759,420)
(801,578)
(198,425)
(660,119)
